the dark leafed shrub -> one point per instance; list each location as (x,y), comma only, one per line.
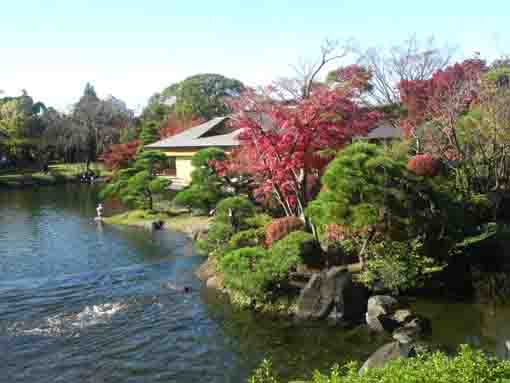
(281,227)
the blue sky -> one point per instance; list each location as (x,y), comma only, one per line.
(133,48)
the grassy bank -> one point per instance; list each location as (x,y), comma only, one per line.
(173,220)
(57,174)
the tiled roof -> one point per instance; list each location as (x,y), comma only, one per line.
(383,131)
(193,137)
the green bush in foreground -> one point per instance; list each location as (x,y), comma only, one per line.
(468,366)
(241,273)
(258,272)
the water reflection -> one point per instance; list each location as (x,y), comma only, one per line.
(85,302)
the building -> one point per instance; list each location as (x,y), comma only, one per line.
(217,133)
(181,147)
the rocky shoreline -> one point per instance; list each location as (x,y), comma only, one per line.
(335,297)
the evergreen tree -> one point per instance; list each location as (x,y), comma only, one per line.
(149,133)
(138,184)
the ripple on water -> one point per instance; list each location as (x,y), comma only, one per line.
(68,324)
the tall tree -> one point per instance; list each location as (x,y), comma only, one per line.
(22,125)
(149,133)
(96,123)
(306,73)
(289,146)
(413,60)
(203,95)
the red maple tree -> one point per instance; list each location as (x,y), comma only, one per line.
(285,148)
(435,105)
(120,155)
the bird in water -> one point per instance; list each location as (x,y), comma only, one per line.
(171,286)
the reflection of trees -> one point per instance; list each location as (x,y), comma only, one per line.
(295,349)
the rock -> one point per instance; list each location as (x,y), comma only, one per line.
(332,291)
(206,270)
(380,308)
(406,334)
(386,353)
(215,282)
(402,315)
(312,303)
(384,314)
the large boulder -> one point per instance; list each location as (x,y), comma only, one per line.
(332,292)
(313,303)
(385,314)
(380,309)
(215,282)
(386,353)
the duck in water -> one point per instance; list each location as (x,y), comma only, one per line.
(171,286)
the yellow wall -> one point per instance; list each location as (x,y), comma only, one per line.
(183,161)
(184,168)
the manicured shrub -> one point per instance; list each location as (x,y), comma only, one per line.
(259,221)
(282,227)
(258,272)
(198,197)
(288,253)
(400,266)
(248,238)
(224,227)
(206,188)
(216,242)
(468,366)
(240,271)
(240,208)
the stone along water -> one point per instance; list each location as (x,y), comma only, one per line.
(86,303)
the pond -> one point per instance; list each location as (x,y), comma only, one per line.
(86,302)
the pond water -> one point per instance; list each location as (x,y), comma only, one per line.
(84,302)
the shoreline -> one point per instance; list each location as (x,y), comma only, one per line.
(57,174)
(23,181)
(192,226)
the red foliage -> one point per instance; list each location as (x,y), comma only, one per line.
(238,164)
(286,148)
(441,100)
(336,233)
(118,156)
(424,165)
(282,227)
(354,78)
(173,125)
